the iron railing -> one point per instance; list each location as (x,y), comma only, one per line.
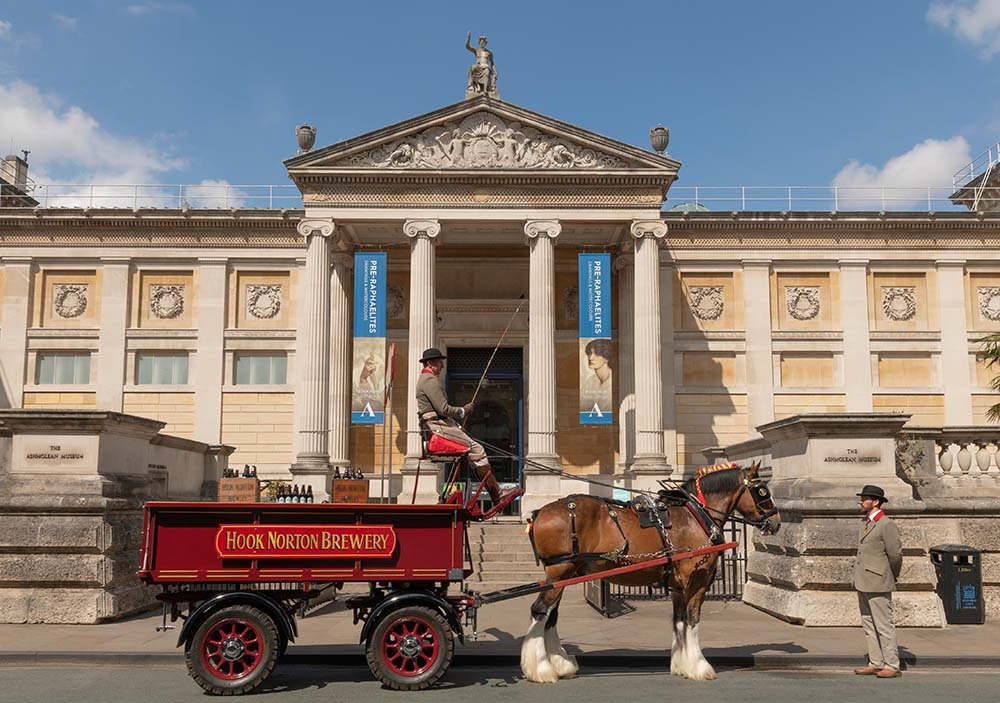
(684,198)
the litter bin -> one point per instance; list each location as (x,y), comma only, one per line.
(959,583)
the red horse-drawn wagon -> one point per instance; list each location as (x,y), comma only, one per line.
(237,573)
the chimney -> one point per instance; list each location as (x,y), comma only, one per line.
(14,171)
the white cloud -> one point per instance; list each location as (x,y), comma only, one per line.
(904,178)
(155,8)
(65,22)
(214,194)
(5,28)
(974,21)
(69,146)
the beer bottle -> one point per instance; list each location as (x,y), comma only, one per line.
(336,473)
(253,471)
(296,497)
(360,475)
(309,495)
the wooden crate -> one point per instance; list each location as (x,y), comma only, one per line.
(349,491)
(239,490)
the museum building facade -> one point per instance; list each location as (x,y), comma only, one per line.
(234,326)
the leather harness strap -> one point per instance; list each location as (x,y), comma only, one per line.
(575,555)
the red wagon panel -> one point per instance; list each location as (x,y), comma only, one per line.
(269,542)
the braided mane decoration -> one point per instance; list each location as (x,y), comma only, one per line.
(718,477)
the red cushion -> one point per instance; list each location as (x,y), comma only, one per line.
(439,444)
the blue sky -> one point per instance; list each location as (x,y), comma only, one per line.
(756,93)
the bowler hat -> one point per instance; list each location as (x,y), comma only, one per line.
(870,491)
(432,353)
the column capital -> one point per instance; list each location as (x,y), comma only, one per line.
(323,228)
(950,263)
(756,263)
(853,263)
(648,228)
(426,228)
(542,228)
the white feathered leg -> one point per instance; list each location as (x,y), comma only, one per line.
(698,667)
(535,664)
(562,663)
(678,652)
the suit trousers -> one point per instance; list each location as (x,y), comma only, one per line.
(880,631)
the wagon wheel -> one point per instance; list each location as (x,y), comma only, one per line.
(410,648)
(233,650)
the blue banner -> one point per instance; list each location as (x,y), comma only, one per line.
(596,351)
(368,375)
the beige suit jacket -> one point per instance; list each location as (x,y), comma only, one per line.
(880,557)
(431,397)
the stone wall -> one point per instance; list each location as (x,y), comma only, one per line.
(72,486)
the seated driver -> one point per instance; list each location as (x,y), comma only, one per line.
(434,410)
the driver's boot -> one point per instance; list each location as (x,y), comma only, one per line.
(493,488)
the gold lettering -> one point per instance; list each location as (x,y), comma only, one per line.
(324,540)
(230,541)
(368,542)
(380,542)
(272,540)
(314,542)
(355,541)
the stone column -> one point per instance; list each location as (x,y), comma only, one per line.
(340,359)
(210,358)
(423,236)
(313,353)
(114,320)
(650,460)
(667,362)
(625,371)
(954,343)
(14,330)
(857,337)
(541,486)
(757,319)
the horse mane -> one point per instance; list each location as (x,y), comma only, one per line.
(718,481)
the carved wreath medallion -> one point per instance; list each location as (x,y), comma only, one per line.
(802,302)
(571,303)
(899,303)
(707,302)
(484,140)
(263,301)
(395,303)
(989,302)
(166,302)
(69,299)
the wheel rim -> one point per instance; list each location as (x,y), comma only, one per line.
(232,649)
(410,646)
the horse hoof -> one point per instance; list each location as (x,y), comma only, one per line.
(703,672)
(564,666)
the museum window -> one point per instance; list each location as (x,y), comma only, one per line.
(63,368)
(161,369)
(261,369)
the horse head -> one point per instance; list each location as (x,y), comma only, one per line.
(755,502)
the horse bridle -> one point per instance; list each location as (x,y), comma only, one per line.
(761,496)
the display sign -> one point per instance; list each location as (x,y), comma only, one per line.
(596,397)
(368,375)
(313,541)
(349,491)
(239,490)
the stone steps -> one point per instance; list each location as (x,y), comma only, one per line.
(501,557)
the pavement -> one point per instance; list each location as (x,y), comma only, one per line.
(732,635)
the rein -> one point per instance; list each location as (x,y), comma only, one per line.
(759,492)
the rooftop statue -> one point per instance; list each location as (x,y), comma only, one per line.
(482,76)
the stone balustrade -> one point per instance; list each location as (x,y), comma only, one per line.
(951,461)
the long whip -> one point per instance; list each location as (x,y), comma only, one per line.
(497,348)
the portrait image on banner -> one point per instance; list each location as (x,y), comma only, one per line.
(596,350)
(368,369)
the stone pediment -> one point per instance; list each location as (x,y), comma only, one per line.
(477,135)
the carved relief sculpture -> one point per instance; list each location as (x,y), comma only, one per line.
(706,302)
(899,303)
(395,303)
(69,299)
(989,302)
(484,140)
(166,302)
(571,303)
(802,302)
(263,301)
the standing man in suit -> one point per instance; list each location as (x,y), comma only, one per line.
(880,557)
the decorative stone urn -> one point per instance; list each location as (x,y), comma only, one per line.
(305,136)
(659,137)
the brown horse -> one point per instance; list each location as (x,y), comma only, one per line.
(586,534)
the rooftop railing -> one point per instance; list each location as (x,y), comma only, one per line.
(984,163)
(681,198)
